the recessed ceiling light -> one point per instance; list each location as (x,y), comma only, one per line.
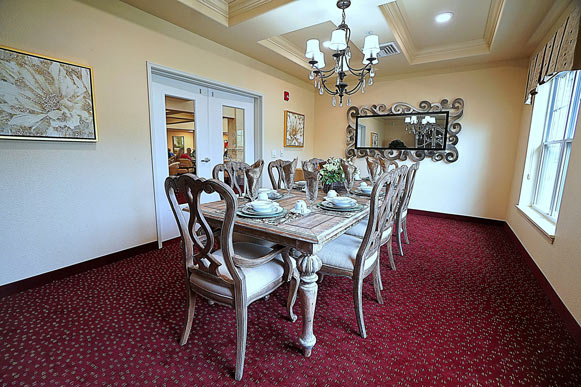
(443,17)
(326,43)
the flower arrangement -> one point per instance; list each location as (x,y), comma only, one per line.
(331,172)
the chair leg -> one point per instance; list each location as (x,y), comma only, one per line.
(390,254)
(398,231)
(357,298)
(321,278)
(405,230)
(190,316)
(377,282)
(241,327)
(292,295)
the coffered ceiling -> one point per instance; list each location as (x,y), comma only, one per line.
(275,31)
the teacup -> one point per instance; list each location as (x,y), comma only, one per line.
(300,206)
(332,193)
(263,195)
(363,184)
(366,189)
(261,190)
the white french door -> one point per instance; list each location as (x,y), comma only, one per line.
(209,108)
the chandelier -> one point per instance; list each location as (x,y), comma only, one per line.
(414,126)
(342,68)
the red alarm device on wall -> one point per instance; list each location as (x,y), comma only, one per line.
(286,95)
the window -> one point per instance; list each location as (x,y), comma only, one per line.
(555,111)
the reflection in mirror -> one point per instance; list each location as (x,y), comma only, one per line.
(417,131)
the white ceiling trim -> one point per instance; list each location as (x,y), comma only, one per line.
(284,47)
(550,19)
(398,25)
(231,12)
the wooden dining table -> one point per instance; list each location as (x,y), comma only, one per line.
(304,234)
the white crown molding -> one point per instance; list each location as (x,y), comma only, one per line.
(232,12)
(551,18)
(398,26)
(285,48)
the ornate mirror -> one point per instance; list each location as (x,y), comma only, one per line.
(402,130)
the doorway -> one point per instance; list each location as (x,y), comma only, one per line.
(196,124)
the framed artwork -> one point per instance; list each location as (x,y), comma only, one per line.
(178,143)
(42,98)
(294,129)
(374,139)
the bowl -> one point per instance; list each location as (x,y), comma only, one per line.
(342,201)
(366,189)
(262,206)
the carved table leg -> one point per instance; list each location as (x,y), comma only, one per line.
(308,266)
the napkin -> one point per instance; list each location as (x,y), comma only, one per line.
(373,167)
(288,170)
(253,174)
(349,172)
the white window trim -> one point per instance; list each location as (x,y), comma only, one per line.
(545,224)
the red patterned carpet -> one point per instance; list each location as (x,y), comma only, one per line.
(461,309)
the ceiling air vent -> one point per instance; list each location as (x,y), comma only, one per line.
(388,49)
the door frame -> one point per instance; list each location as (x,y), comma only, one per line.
(168,76)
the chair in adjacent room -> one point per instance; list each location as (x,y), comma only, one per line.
(358,230)
(238,273)
(350,256)
(401,218)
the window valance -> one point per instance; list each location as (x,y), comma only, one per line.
(560,53)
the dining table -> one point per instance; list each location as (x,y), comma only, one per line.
(305,235)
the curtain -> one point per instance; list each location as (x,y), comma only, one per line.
(560,53)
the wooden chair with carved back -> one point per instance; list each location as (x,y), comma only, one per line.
(277,182)
(387,164)
(237,273)
(233,174)
(350,256)
(401,218)
(398,186)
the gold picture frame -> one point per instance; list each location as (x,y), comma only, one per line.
(294,129)
(45,99)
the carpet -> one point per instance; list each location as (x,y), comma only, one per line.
(461,309)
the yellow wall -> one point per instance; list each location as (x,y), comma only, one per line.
(560,262)
(478,184)
(188,139)
(86,200)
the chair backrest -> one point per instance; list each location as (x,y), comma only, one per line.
(409,186)
(234,170)
(174,168)
(386,164)
(378,211)
(186,163)
(198,238)
(277,183)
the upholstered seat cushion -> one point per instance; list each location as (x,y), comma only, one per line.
(359,231)
(342,253)
(257,278)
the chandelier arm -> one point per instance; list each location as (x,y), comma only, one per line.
(329,91)
(354,89)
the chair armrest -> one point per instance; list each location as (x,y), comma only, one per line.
(253,262)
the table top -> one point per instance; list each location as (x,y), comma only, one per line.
(316,228)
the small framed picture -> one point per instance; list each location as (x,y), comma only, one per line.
(42,98)
(294,129)
(178,143)
(374,140)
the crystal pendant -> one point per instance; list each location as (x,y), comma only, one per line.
(311,75)
(341,103)
(320,90)
(348,101)
(363,87)
(334,101)
(372,72)
(370,81)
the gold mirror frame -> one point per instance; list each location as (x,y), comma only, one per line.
(450,154)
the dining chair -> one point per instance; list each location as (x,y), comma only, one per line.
(235,174)
(355,258)
(398,186)
(277,182)
(401,217)
(386,164)
(237,273)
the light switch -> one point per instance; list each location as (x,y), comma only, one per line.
(273,154)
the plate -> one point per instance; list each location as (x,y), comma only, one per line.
(251,211)
(274,195)
(282,212)
(357,207)
(331,205)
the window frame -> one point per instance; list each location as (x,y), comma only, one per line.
(565,143)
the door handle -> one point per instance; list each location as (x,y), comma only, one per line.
(206,160)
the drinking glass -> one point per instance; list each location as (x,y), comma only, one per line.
(312,191)
(289,179)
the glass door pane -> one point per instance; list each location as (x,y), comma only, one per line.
(233,133)
(181,136)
